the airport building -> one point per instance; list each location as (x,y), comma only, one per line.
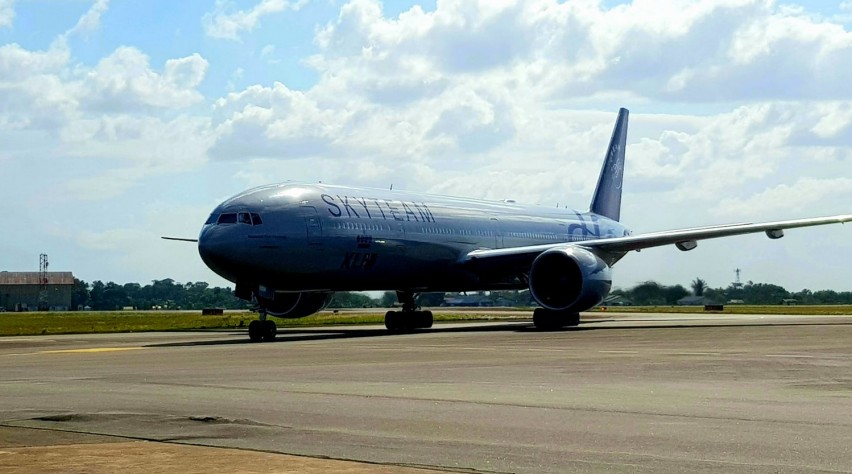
(31,291)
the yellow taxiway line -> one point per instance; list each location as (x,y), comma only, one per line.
(90,350)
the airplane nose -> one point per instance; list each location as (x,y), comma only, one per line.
(212,252)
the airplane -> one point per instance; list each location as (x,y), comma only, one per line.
(288,247)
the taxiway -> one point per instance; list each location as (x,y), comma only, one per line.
(620,393)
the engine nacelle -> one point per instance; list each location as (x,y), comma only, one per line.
(294,305)
(569,279)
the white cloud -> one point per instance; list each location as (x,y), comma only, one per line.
(426,86)
(267,53)
(7,12)
(32,93)
(707,51)
(91,20)
(18,64)
(124,80)
(225,23)
(801,196)
(52,107)
(130,149)
(274,121)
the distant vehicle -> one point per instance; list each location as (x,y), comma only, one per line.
(289,246)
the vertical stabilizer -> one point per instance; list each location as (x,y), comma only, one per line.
(607,199)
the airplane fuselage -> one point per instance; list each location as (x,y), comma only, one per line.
(290,246)
(316,237)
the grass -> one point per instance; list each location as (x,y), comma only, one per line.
(85,322)
(804,310)
(88,322)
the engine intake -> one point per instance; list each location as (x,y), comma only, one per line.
(569,279)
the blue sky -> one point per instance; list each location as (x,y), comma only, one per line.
(124,121)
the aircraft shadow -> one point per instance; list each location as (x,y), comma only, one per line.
(316,334)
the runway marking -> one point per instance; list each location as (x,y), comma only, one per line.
(792,356)
(618,352)
(90,350)
(28,339)
(696,353)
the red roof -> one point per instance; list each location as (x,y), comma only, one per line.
(34,278)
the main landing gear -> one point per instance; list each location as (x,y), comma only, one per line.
(409,318)
(550,320)
(262,329)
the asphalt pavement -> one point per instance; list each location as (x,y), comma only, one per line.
(620,393)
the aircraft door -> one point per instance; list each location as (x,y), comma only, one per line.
(498,233)
(313,225)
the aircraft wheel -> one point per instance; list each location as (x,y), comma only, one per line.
(269,330)
(255,330)
(572,319)
(545,320)
(393,321)
(424,320)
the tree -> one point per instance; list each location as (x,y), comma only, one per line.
(648,293)
(348,299)
(388,299)
(764,293)
(96,295)
(698,286)
(79,295)
(430,299)
(674,293)
(115,296)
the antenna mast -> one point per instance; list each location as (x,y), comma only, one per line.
(737,283)
(42,282)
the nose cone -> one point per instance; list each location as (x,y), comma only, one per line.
(216,252)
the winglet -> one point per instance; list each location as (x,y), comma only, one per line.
(607,198)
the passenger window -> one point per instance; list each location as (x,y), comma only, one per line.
(255,219)
(244,218)
(229,218)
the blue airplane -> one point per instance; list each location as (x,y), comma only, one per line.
(288,247)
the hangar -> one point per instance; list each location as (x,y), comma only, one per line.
(31,291)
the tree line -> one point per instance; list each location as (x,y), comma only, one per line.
(159,294)
(652,293)
(169,294)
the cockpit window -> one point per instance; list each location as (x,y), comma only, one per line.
(212,219)
(228,218)
(250,218)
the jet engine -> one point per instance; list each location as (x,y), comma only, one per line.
(294,305)
(569,279)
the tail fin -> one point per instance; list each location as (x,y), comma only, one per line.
(607,199)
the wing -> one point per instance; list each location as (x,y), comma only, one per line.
(685,239)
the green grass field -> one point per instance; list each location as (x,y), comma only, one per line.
(84,322)
(805,310)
